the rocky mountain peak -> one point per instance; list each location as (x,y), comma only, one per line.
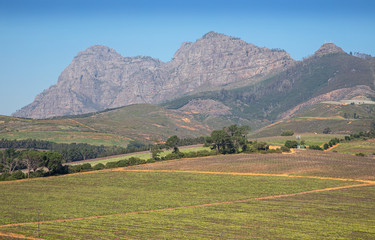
(99,52)
(100,78)
(213,35)
(328,48)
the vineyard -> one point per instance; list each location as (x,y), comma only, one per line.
(309,195)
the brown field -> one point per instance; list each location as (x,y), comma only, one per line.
(303,163)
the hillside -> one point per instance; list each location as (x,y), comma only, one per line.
(142,122)
(329,75)
(100,78)
(341,118)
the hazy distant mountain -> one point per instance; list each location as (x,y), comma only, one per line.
(100,78)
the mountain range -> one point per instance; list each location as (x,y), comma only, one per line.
(100,78)
(217,79)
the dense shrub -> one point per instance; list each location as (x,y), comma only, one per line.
(18,175)
(291,144)
(315,147)
(258,146)
(360,154)
(287,133)
(284,149)
(99,166)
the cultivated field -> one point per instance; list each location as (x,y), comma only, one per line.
(308,195)
(93,138)
(354,147)
(145,155)
(309,138)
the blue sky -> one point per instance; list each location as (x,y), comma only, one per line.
(39,38)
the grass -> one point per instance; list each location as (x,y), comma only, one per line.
(354,147)
(303,163)
(118,192)
(144,156)
(343,214)
(310,139)
(92,138)
(142,122)
(338,214)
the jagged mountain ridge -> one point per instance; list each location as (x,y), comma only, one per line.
(100,78)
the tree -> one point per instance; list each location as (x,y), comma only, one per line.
(315,147)
(221,141)
(172,143)
(10,159)
(238,136)
(52,161)
(327,130)
(228,140)
(155,151)
(32,160)
(291,144)
(372,129)
(287,133)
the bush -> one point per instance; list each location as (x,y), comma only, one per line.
(327,130)
(258,146)
(79,168)
(99,166)
(39,173)
(291,144)
(111,165)
(18,175)
(285,149)
(5,176)
(122,163)
(360,154)
(325,146)
(315,147)
(86,167)
(287,133)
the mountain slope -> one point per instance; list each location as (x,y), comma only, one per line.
(142,122)
(100,78)
(330,74)
(339,117)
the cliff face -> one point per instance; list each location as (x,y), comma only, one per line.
(100,78)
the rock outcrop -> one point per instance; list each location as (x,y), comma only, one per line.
(328,48)
(100,78)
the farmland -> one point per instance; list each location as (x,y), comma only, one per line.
(310,195)
(92,138)
(142,155)
(366,147)
(309,138)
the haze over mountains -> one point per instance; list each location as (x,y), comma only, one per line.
(217,76)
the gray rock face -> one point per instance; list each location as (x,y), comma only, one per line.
(100,78)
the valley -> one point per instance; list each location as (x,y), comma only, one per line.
(103,153)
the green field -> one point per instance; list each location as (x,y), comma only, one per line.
(92,138)
(179,199)
(310,139)
(357,146)
(142,122)
(144,156)
(345,214)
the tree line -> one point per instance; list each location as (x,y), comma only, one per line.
(82,151)
(12,161)
(228,140)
